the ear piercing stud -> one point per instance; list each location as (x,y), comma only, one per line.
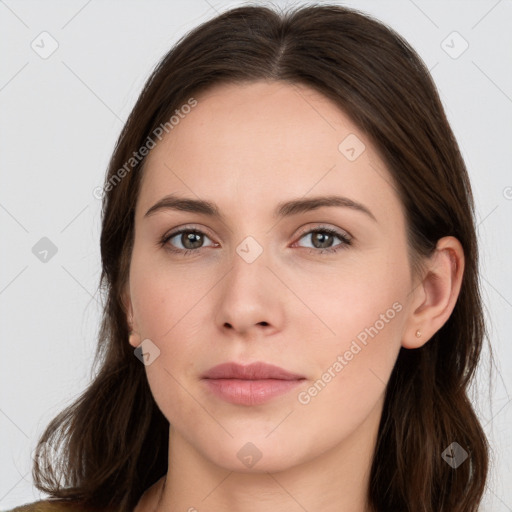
(418,334)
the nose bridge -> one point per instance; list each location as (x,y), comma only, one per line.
(249,270)
(248,295)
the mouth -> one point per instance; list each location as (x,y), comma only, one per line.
(253,384)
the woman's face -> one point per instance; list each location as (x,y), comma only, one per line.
(263,282)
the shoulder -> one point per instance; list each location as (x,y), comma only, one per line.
(49,506)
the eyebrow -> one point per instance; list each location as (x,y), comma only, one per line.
(284,209)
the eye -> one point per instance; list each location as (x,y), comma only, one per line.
(192,240)
(189,239)
(322,238)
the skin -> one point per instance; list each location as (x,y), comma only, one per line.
(247,148)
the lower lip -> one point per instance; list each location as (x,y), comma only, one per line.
(250,392)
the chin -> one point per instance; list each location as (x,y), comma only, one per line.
(257,456)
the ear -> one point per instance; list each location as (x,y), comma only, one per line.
(132,328)
(435,296)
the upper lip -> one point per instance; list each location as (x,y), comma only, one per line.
(254,371)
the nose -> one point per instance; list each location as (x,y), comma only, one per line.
(250,299)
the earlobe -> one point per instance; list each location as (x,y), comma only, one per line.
(435,297)
(134,339)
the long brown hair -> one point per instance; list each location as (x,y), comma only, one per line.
(112,442)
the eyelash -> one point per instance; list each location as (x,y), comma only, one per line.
(345,240)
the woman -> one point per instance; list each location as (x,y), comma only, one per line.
(290,260)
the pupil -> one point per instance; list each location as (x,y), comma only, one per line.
(193,238)
(326,238)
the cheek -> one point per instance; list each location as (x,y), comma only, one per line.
(166,306)
(361,299)
(161,314)
(359,317)
(164,294)
(353,366)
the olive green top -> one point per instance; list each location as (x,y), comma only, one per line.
(50,506)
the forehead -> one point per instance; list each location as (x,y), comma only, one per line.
(250,146)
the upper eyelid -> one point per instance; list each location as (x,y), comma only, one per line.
(186,227)
(321,227)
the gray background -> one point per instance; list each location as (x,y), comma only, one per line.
(60,118)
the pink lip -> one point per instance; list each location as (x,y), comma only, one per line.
(250,385)
(254,371)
